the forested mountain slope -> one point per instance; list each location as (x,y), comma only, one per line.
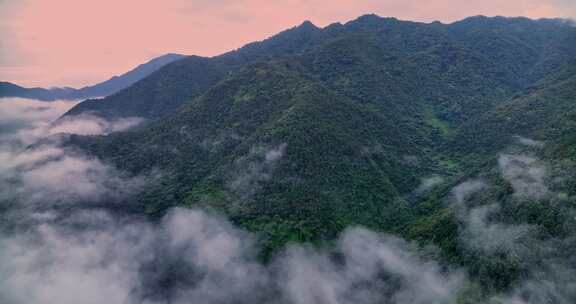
(360,114)
(444,61)
(435,132)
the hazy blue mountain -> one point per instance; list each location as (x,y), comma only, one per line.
(8,89)
(102,89)
(125,80)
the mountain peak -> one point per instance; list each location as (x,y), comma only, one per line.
(169,57)
(307,25)
(371,20)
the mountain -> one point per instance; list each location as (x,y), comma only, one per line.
(400,96)
(276,127)
(510,56)
(389,124)
(173,85)
(118,83)
(108,87)
(8,89)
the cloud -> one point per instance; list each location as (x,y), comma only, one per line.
(373,269)
(58,248)
(478,230)
(253,169)
(41,182)
(80,124)
(481,233)
(48,172)
(26,121)
(20,113)
(428,183)
(464,190)
(526,174)
(48,265)
(530,142)
(192,255)
(489,233)
(92,125)
(21,109)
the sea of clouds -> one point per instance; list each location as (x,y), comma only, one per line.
(56,247)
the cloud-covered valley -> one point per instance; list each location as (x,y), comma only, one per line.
(62,242)
(57,248)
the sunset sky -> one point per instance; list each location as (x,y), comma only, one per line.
(81,42)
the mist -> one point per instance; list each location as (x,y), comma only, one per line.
(62,239)
(56,247)
(544,261)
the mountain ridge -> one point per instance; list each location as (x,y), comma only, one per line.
(377,123)
(102,89)
(422,82)
(304,38)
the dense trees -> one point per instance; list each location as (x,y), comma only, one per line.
(369,123)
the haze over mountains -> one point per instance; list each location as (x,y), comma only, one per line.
(102,89)
(450,145)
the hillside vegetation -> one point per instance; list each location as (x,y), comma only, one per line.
(372,123)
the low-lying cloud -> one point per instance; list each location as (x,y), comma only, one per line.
(253,169)
(194,257)
(428,183)
(487,231)
(49,173)
(54,249)
(530,142)
(374,268)
(28,110)
(41,181)
(526,174)
(36,168)
(82,125)
(25,121)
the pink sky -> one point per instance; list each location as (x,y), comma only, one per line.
(81,42)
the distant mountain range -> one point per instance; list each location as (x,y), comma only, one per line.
(102,89)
